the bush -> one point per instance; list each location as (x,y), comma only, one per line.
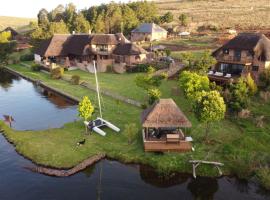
(153,95)
(264,177)
(75,79)
(131,131)
(239,96)
(252,87)
(27,57)
(35,67)
(14,58)
(192,83)
(138,68)
(264,78)
(57,73)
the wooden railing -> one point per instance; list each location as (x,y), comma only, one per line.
(242,60)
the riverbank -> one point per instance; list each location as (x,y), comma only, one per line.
(240,145)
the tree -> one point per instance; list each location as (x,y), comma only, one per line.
(113,18)
(193,83)
(209,107)
(131,131)
(204,62)
(183,18)
(6,49)
(80,24)
(153,95)
(238,96)
(57,14)
(188,59)
(149,80)
(85,109)
(69,16)
(5,36)
(43,18)
(252,87)
(145,11)
(129,19)
(99,26)
(166,18)
(57,28)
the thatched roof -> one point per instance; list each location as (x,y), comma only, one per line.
(53,46)
(164,113)
(76,44)
(129,49)
(258,44)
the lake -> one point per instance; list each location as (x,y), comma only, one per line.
(33,108)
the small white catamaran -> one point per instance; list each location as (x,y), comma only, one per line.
(95,125)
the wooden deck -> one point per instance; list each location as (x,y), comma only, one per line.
(166,145)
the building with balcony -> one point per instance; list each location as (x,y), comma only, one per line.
(246,53)
(80,50)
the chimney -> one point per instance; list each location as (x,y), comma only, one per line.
(73,32)
(90,31)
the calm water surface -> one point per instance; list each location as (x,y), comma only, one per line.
(32,108)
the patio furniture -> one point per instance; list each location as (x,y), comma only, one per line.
(173,138)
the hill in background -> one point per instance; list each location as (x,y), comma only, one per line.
(20,24)
(241,14)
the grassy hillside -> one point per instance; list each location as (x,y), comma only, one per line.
(245,14)
(15,22)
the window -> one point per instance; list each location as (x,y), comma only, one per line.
(226,51)
(255,68)
(102,47)
(237,55)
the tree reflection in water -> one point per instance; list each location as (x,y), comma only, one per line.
(203,188)
(149,175)
(6,79)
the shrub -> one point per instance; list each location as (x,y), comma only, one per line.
(192,83)
(239,96)
(14,58)
(35,67)
(131,131)
(168,52)
(75,79)
(252,87)
(138,68)
(57,73)
(153,95)
(264,177)
(27,57)
(264,78)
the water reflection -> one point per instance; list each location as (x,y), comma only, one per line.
(203,188)
(6,79)
(149,175)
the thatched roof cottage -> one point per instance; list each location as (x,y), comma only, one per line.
(162,127)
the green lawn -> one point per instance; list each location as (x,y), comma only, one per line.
(122,84)
(239,144)
(192,41)
(177,54)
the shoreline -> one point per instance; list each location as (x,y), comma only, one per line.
(165,164)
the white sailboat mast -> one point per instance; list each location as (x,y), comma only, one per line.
(97,88)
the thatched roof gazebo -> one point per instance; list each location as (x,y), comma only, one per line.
(162,124)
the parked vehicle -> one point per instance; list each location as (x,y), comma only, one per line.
(166,59)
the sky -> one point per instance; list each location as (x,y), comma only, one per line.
(30,8)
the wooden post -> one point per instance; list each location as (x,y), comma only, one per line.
(196,163)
